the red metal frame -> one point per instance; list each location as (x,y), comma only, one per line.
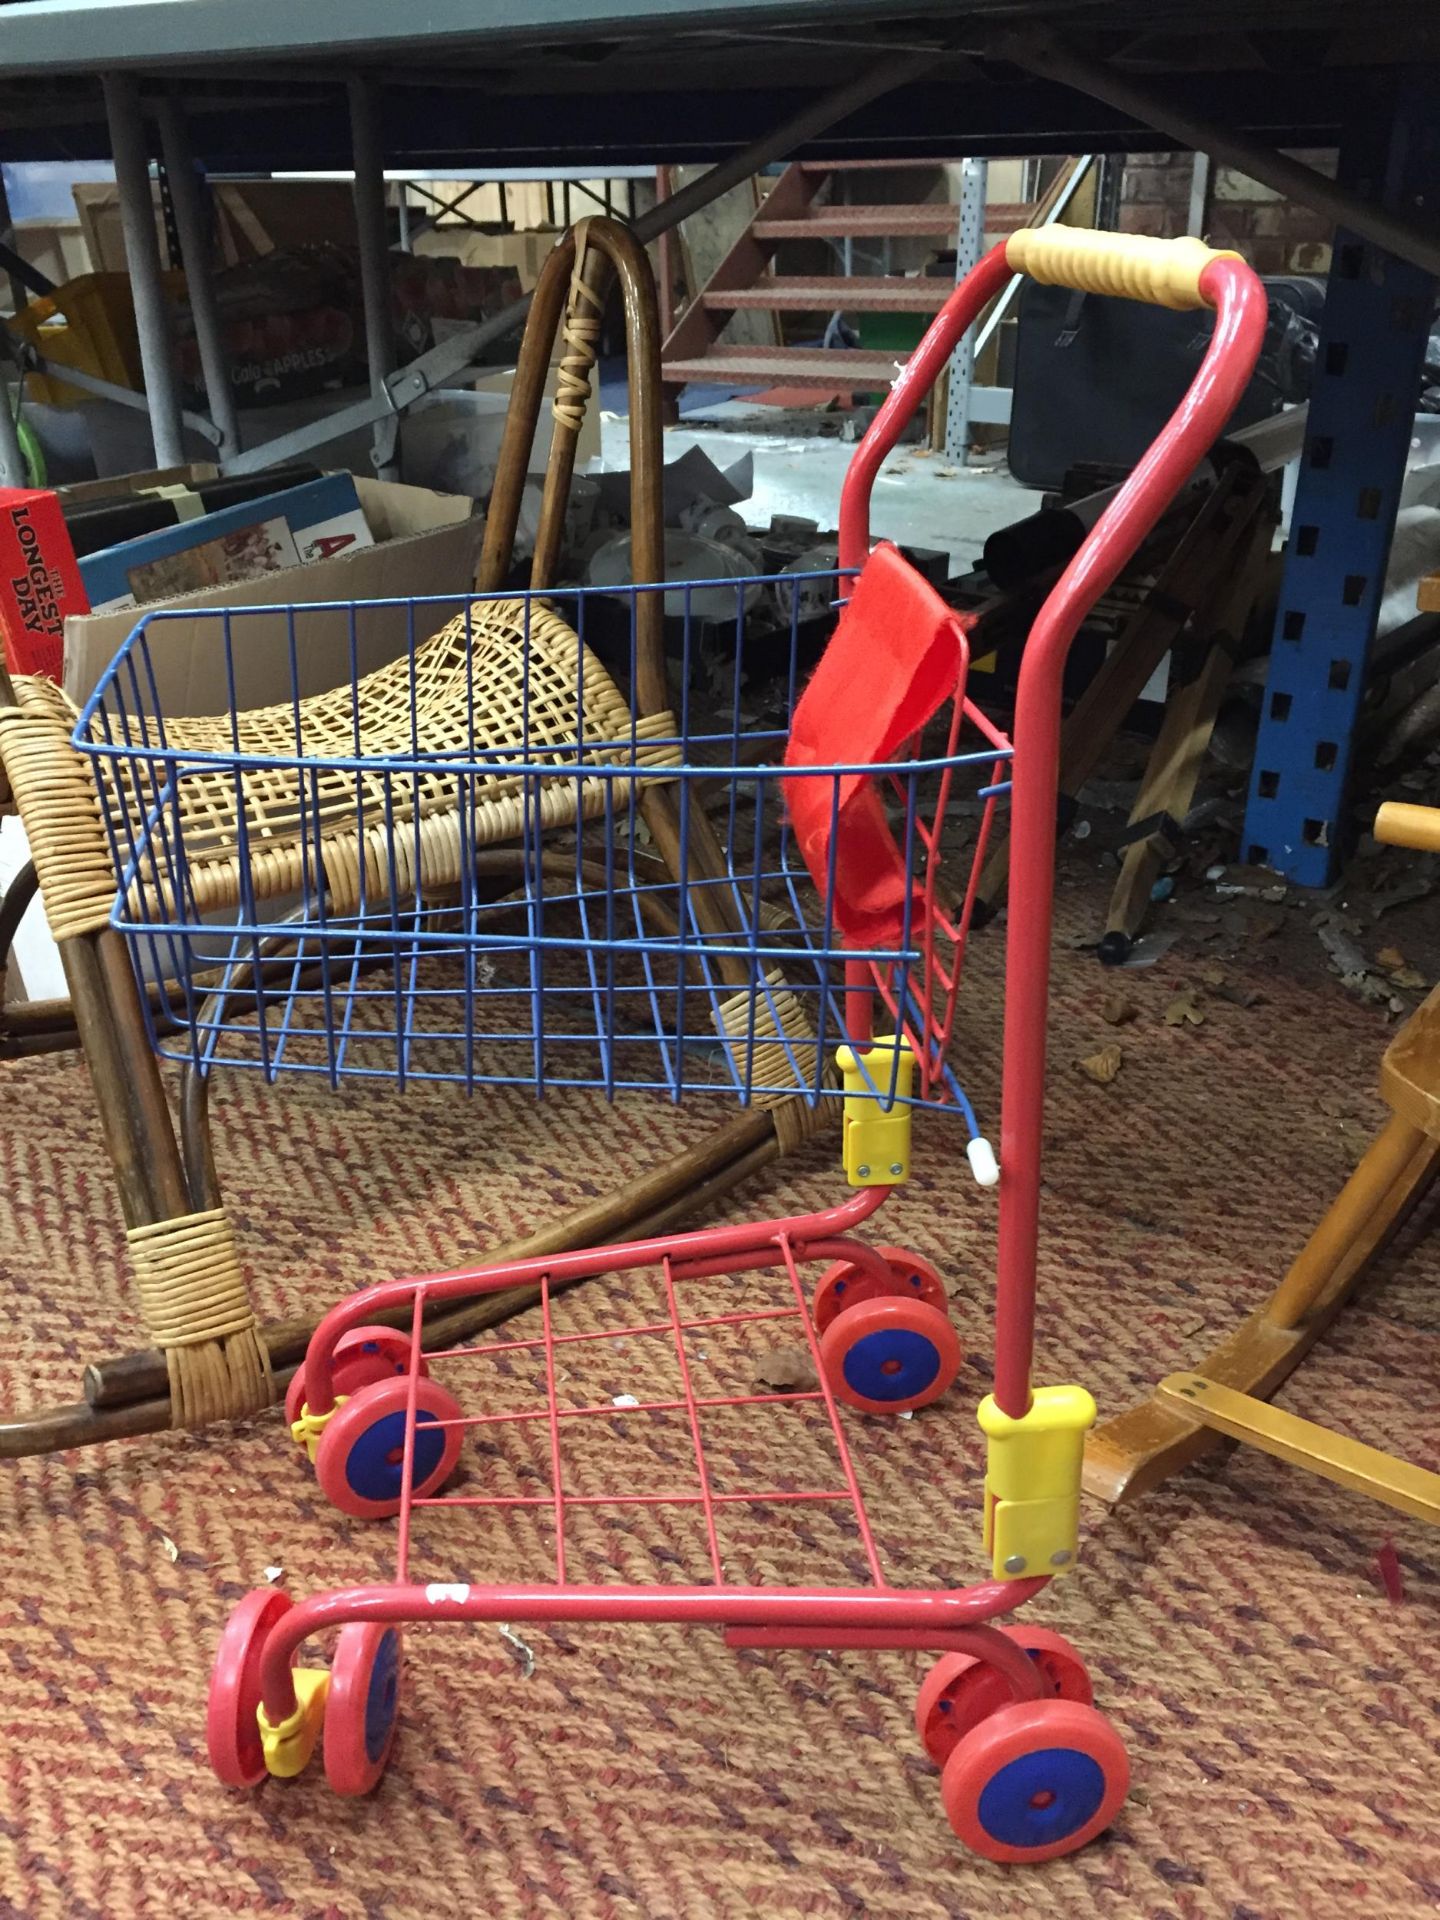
(1239,302)
(879,1615)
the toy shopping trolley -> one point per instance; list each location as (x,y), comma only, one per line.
(830,943)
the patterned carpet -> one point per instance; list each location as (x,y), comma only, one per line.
(1283,1715)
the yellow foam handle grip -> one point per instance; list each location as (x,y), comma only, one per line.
(1399,824)
(1134,266)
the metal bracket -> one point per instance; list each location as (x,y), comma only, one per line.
(969,244)
(31,360)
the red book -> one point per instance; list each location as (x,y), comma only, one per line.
(39,582)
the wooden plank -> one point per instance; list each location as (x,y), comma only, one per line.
(1305,1443)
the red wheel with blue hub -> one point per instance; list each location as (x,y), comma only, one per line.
(362,1705)
(890,1355)
(960,1691)
(1036,1780)
(842,1286)
(232,1733)
(362,1356)
(360,1458)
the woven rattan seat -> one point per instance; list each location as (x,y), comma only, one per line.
(500,685)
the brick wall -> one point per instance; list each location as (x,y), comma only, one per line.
(1274,234)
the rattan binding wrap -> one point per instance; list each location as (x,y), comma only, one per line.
(500,675)
(584,312)
(54,794)
(197,1311)
(776,1013)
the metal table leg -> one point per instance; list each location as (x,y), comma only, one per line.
(199,280)
(142,251)
(374,267)
(13,470)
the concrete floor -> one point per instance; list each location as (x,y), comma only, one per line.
(920,500)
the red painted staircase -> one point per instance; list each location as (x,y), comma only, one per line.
(796,209)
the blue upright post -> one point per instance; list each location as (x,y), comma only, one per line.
(1367,373)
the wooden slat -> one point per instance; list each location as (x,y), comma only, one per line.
(1304,1443)
(1135,1450)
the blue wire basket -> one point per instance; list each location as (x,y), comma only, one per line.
(445,869)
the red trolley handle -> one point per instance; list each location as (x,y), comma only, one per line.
(1182,274)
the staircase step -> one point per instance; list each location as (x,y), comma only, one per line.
(882,293)
(828,367)
(890,165)
(935,220)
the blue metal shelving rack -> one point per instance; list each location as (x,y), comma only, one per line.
(1372,342)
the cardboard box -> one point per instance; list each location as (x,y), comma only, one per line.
(272,533)
(197,474)
(425,543)
(39,580)
(525,252)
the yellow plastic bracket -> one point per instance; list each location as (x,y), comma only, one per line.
(288,1748)
(876,1144)
(1032,1482)
(306,1431)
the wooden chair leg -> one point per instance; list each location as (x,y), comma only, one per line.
(193,1295)
(128,1395)
(1204,553)
(1182,743)
(1137,1450)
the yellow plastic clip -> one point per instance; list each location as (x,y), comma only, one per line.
(306,1431)
(877,1137)
(1032,1482)
(288,1747)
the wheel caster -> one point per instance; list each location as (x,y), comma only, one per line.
(363,1705)
(890,1355)
(232,1734)
(362,1356)
(1035,1780)
(844,1286)
(960,1690)
(359,1461)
